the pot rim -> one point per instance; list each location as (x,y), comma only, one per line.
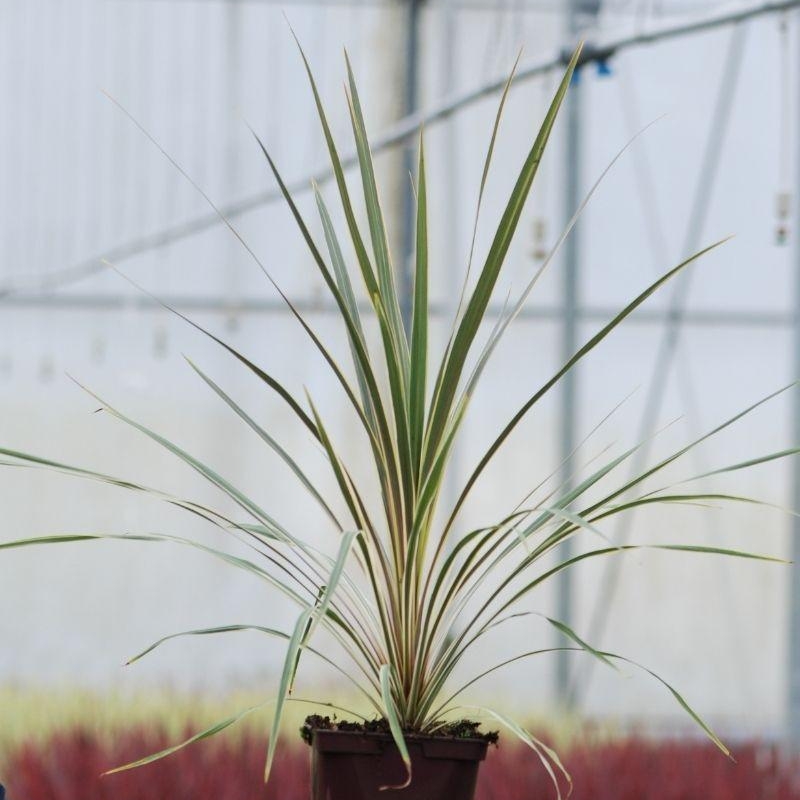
(418,737)
(373,742)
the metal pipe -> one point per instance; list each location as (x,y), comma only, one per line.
(568,424)
(247,305)
(793,638)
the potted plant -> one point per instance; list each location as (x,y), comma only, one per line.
(394,594)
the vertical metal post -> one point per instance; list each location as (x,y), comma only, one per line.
(793,674)
(406,276)
(449,54)
(569,388)
(233,79)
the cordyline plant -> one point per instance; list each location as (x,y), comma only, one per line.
(394,596)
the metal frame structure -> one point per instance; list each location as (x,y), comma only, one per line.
(667,349)
(570,311)
(793,675)
(573,163)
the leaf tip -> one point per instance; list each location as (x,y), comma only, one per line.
(404,785)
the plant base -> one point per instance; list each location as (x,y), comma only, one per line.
(354,766)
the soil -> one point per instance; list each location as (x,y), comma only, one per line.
(459,729)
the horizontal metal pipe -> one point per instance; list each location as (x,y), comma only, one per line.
(215,305)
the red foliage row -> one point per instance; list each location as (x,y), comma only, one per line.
(69,765)
(638,770)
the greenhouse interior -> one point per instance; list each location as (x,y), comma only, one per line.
(340,339)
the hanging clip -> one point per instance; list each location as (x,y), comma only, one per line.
(604,68)
(783,206)
(539,238)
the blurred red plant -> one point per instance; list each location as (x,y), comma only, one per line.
(636,769)
(68,767)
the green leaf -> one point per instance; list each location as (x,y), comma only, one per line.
(419,322)
(683,450)
(464,642)
(348,297)
(275,385)
(337,260)
(353,334)
(586,348)
(505,319)
(351,496)
(284,686)
(388,459)
(575,519)
(453,365)
(682,702)
(205,632)
(259,629)
(717,551)
(212,731)
(232,560)
(484,177)
(273,444)
(394,723)
(673,691)
(325,597)
(752,462)
(58,539)
(377,227)
(486,165)
(30,461)
(359,513)
(309,241)
(546,755)
(207,472)
(690,498)
(570,634)
(387,305)
(394,350)
(625,549)
(355,235)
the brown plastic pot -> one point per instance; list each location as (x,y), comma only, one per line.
(354,766)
